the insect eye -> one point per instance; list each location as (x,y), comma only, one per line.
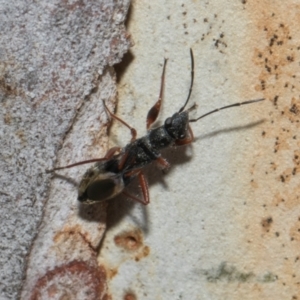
(168,122)
(100,190)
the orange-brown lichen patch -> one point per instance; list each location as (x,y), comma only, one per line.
(287,201)
(144,252)
(107,297)
(130,296)
(133,241)
(278,199)
(277,52)
(289,277)
(130,240)
(76,280)
(111,272)
(71,241)
(272,232)
(277,56)
(70,233)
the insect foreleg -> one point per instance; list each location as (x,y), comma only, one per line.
(132,130)
(189,139)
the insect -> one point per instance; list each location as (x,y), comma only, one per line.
(112,173)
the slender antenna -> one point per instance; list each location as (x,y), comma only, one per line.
(228,106)
(192,81)
(77,164)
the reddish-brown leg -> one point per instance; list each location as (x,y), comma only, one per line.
(122,161)
(187,140)
(132,173)
(144,187)
(109,154)
(163,164)
(154,111)
(132,130)
(133,197)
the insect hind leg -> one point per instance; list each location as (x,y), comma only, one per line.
(144,186)
(154,110)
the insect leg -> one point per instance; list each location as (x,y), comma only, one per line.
(145,190)
(164,165)
(189,139)
(144,186)
(109,154)
(123,161)
(132,130)
(154,111)
(133,198)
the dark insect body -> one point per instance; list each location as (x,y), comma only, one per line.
(112,173)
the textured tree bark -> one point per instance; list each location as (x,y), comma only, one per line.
(54,73)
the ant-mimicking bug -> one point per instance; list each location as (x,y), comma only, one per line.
(112,173)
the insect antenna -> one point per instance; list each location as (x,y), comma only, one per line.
(77,164)
(109,154)
(192,82)
(227,106)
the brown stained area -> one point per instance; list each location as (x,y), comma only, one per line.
(72,238)
(76,280)
(145,251)
(287,201)
(132,241)
(78,275)
(111,272)
(130,296)
(107,297)
(275,44)
(266,224)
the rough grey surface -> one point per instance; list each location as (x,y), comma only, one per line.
(51,54)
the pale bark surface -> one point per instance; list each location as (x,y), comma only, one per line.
(223,223)
(54,59)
